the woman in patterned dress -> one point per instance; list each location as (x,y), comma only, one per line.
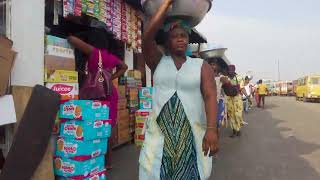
(181,136)
(235,104)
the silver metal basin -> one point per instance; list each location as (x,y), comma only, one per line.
(191,10)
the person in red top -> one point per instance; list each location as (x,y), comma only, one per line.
(98,41)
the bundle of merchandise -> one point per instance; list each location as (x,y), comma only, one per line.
(133,84)
(82,144)
(142,116)
(66,84)
(145,96)
(123,133)
(59,54)
(120,18)
(122,128)
(59,71)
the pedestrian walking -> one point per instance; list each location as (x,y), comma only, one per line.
(262,91)
(246,91)
(181,137)
(234,102)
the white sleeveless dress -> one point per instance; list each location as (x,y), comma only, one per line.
(186,84)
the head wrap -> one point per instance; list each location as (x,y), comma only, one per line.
(232,68)
(172,24)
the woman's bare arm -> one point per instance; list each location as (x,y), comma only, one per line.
(209,93)
(87,49)
(149,46)
(121,69)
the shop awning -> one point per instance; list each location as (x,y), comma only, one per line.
(197,37)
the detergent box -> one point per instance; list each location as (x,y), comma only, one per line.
(68,91)
(61,76)
(145,103)
(85,130)
(70,168)
(84,110)
(79,149)
(98,176)
(145,92)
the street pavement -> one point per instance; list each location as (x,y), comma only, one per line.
(280,142)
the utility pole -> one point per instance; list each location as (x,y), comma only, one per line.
(279,77)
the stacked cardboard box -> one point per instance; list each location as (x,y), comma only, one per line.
(82,144)
(133,83)
(59,54)
(59,73)
(7,57)
(143,114)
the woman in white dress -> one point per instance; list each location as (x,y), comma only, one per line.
(181,136)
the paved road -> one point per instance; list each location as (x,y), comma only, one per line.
(281,142)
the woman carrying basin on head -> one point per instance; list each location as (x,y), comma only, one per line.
(181,136)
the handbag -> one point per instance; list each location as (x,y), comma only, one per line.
(231,90)
(96,85)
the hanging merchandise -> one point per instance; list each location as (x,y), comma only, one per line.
(103,11)
(134,26)
(109,9)
(139,36)
(77,7)
(68,7)
(116,21)
(128,20)
(124,33)
(119,17)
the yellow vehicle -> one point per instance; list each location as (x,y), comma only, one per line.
(308,88)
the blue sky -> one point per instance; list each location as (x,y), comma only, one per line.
(257,33)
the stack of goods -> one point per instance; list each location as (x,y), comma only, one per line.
(59,55)
(66,84)
(122,130)
(133,84)
(60,75)
(145,95)
(143,114)
(82,144)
